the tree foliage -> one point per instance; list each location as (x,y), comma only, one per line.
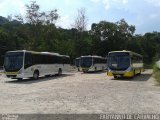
(37,31)
(80,22)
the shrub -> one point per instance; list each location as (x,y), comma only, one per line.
(156,73)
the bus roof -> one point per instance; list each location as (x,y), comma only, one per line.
(50,53)
(95,56)
(34,52)
(64,56)
(127,52)
(77,58)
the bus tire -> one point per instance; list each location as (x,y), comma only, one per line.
(95,69)
(140,72)
(103,68)
(84,71)
(35,74)
(134,73)
(59,72)
(115,77)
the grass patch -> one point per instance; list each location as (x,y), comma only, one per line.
(156,73)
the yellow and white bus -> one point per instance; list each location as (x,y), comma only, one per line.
(25,64)
(92,63)
(124,64)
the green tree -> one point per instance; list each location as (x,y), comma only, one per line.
(38,24)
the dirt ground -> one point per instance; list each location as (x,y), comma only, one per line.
(80,93)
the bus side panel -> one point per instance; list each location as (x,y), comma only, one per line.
(28,65)
(137,64)
(49,69)
(100,66)
(66,68)
(43,69)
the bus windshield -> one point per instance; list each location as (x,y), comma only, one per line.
(86,61)
(13,61)
(118,61)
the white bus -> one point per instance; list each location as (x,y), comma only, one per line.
(93,63)
(124,64)
(25,64)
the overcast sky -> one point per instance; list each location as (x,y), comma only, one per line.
(144,14)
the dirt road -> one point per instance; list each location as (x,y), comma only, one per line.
(80,93)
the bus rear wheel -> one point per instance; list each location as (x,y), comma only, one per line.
(95,69)
(35,75)
(59,72)
(85,71)
(103,68)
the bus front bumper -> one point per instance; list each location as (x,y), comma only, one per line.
(13,75)
(87,69)
(123,74)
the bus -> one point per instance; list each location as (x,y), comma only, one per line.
(77,63)
(30,64)
(92,63)
(124,64)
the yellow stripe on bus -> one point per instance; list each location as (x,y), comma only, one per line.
(126,74)
(11,73)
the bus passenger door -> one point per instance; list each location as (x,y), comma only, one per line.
(28,65)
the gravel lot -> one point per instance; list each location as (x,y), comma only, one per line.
(80,93)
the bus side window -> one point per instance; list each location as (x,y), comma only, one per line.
(55,59)
(63,60)
(132,59)
(28,60)
(96,61)
(66,60)
(141,60)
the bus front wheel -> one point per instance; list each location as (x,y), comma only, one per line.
(134,73)
(35,75)
(140,72)
(115,77)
